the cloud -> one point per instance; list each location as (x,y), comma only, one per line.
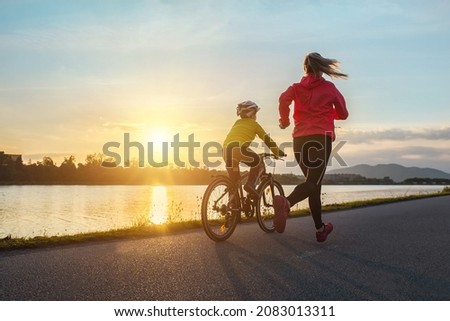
(393,134)
(407,154)
(124,127)
(422,147)
(157,27)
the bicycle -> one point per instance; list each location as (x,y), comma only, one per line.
(223,205)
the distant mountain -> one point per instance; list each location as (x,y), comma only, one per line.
(396,172)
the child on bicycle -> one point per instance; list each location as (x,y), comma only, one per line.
(236,147)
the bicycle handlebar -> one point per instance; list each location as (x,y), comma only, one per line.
(264,155)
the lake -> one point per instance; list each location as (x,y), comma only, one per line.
(50,210)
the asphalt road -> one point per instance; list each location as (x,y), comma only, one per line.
(397,251)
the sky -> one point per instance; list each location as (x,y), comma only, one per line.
(75,75)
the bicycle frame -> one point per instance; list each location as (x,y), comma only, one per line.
(263,176)
(222,212)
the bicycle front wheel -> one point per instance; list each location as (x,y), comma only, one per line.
(264,206)
(219,214)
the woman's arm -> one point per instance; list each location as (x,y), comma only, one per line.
(285,102)
(340,107)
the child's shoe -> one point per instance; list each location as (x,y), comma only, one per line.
(251,190)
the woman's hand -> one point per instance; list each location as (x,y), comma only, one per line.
(283,126)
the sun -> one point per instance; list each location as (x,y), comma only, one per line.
(157,142)
(158,136)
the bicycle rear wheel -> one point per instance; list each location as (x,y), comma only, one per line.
(218,217)
(264,206)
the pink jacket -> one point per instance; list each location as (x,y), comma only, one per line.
(317,104)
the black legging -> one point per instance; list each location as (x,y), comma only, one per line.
(312,154)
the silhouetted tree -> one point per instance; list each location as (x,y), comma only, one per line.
(94,160)
(68,168)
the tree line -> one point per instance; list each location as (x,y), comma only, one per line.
(94,170)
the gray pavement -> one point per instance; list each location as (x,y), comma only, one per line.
(397,251)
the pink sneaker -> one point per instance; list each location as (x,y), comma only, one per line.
(282,208)
(322,236)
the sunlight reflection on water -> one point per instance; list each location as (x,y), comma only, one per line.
(158,208)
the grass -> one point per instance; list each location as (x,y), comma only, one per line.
(145,230)
(137,231)
(371,202)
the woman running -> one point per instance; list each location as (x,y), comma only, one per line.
(317,103)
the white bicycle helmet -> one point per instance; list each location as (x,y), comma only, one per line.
(246,108)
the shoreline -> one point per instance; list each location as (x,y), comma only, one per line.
(149,230)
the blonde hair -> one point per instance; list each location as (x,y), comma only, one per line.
(315,64)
